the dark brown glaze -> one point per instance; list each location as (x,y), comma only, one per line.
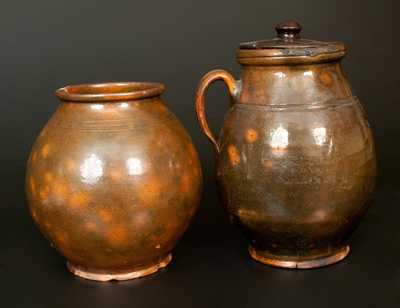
(113,180)
(295,158)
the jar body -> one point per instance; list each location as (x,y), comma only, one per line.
(113,186)
(296,167)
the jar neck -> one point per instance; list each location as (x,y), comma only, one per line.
(293,84)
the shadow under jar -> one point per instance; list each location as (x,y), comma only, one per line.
(113,180)
(295,158)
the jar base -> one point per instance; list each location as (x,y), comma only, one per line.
(300,262)
(107,276)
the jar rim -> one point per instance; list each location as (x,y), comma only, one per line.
(109,91)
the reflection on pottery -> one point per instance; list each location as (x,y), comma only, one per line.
(295,159)
(113,180)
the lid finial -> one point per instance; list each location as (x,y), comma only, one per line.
(288,30)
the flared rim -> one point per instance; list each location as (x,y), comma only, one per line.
(110,91)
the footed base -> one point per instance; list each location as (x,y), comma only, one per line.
(104,276)
(300,262)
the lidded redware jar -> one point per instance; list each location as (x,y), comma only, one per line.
(295,158)
(113,180)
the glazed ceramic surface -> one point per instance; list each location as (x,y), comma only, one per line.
(295,158)
(113,180)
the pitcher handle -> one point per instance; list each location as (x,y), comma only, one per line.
(205,82)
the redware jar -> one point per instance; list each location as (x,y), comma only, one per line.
(113,180)
(295,158)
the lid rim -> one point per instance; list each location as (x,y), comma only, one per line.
(245,58)
(281,44)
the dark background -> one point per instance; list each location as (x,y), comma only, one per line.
(49,44)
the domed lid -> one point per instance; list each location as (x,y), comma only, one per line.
(288,47)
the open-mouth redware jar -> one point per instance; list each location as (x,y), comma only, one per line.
(113,180)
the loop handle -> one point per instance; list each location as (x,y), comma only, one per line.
(200,99)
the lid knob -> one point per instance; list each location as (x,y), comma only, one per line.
(288,30)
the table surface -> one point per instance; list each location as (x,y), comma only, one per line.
(210,268)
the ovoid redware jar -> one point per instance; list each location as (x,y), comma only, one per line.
(295,157)
(113,180)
